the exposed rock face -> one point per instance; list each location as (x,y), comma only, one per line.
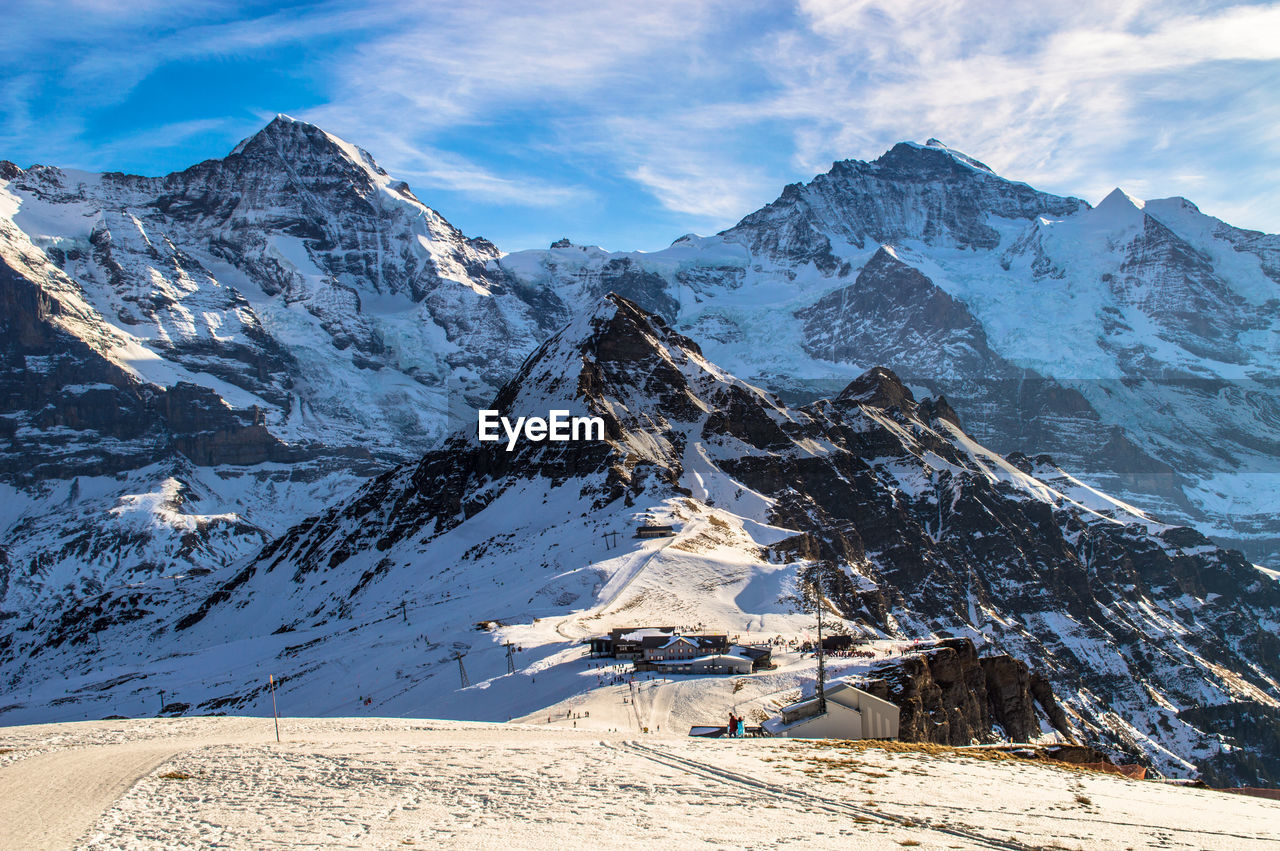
(910,527)
(71,411)
(1253,732)
(950,696)
(1133,342)
(257,332)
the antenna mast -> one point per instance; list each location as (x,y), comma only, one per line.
(822,662)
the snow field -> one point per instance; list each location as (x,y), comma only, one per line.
(391,783)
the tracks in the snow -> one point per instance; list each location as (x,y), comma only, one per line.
(812,801)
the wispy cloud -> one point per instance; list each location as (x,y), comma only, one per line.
(703,193)
(667,116)
(449,171)
(1056,95)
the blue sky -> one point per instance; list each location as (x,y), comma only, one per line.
(629,124)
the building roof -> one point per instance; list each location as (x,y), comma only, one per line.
(642,633)
(834,689)
(710,659)
(663,640)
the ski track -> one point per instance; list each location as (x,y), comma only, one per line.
(808,800)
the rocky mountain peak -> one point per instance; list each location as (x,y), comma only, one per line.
(880,388)
(613,359)
(931,159)
(1119,212)
(624,331)
(300,143)
(912,193)
(938,409)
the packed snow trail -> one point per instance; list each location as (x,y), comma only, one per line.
(51,800)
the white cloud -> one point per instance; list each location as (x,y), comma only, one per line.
(708,108)
(449,171)
(1050,94)
(705,193)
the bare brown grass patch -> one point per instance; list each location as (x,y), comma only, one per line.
(943,751)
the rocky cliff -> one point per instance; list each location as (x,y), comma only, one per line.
(949,695)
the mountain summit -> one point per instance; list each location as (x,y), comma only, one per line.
(1053,326)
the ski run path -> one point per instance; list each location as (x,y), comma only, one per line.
(383,783)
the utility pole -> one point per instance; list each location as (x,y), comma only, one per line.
(161,700)
(611,539)
(403,613)
(511,659)
(462,672)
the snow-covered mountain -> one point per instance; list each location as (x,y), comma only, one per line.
(1136,341)
(1156,641)
(194,362)
(257,334)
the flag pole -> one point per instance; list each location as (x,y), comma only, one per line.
(274,714)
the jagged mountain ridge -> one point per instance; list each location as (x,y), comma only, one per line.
(194,361)
(1136,342)
(912,527)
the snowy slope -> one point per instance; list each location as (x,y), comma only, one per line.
(209,356)
(388,782)
(914,529)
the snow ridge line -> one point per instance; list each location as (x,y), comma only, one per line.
(838,807)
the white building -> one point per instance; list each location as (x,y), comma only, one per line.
(851,714)
(718,663)
(679,648)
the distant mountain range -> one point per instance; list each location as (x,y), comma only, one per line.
(195,363)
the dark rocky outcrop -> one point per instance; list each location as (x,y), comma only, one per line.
(948,695)
(1253,731)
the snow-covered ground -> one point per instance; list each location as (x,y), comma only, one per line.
(359,783)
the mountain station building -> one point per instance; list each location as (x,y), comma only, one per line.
(851,714)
